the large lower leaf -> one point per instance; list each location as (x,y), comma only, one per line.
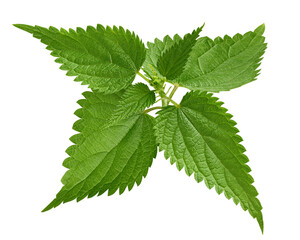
(104,58)
(107,155)
(224,63)
(200,137)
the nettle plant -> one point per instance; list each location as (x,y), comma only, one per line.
(118,139)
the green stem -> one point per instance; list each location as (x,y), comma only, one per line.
(168,90)
(141,75)
(151,109)
(157,100)
(172,101)
(162,94)
(164,102)
(176,86)
(164,98)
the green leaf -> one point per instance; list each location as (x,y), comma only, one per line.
(172,61)
(155,50)
(106,59)
(107,155)
(224,63)
(135,99)
(200,136)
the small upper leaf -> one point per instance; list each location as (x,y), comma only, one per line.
(106,59)
(107,155)
(135,99)
(201,137)
(154,52)
(224,63)
(171,63)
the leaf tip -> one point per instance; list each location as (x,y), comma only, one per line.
(26,28)
(51,205)
(199,29)
(260,29)
(260,221)
(47,208)
(202,26)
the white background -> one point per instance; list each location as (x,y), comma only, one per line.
(38,101)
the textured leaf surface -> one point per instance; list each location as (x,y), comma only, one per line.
(172,61)
(224,63)
(155,50)
(200,137)
(106,59)
(107,155)
(135,99)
